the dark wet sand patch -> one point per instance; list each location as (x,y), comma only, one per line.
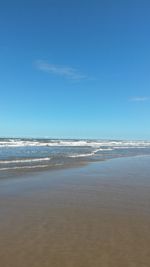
(97,215)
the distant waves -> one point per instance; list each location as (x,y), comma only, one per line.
(21,153)
(11,142)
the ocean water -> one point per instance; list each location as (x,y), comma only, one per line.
(20,153)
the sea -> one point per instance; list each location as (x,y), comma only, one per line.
(35,153)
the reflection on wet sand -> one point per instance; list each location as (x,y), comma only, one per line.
(92,216)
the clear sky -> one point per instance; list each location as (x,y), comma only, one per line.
(75,69)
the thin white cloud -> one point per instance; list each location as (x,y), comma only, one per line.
(140,99)
(64,71)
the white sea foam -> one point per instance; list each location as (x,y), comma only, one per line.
(24,160)
(72,143)
(89,154)
(80,155)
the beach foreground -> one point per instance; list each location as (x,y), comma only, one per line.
(91,216)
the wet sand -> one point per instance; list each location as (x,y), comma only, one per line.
(92,216)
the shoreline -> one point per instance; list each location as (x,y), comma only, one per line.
(10,174)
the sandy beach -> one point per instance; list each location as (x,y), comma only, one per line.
(91,216)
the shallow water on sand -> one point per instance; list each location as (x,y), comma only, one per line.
(97,215)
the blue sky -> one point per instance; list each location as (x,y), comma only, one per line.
(75,69)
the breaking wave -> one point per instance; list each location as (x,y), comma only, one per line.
(71,143)
(17,153)
(24,160)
